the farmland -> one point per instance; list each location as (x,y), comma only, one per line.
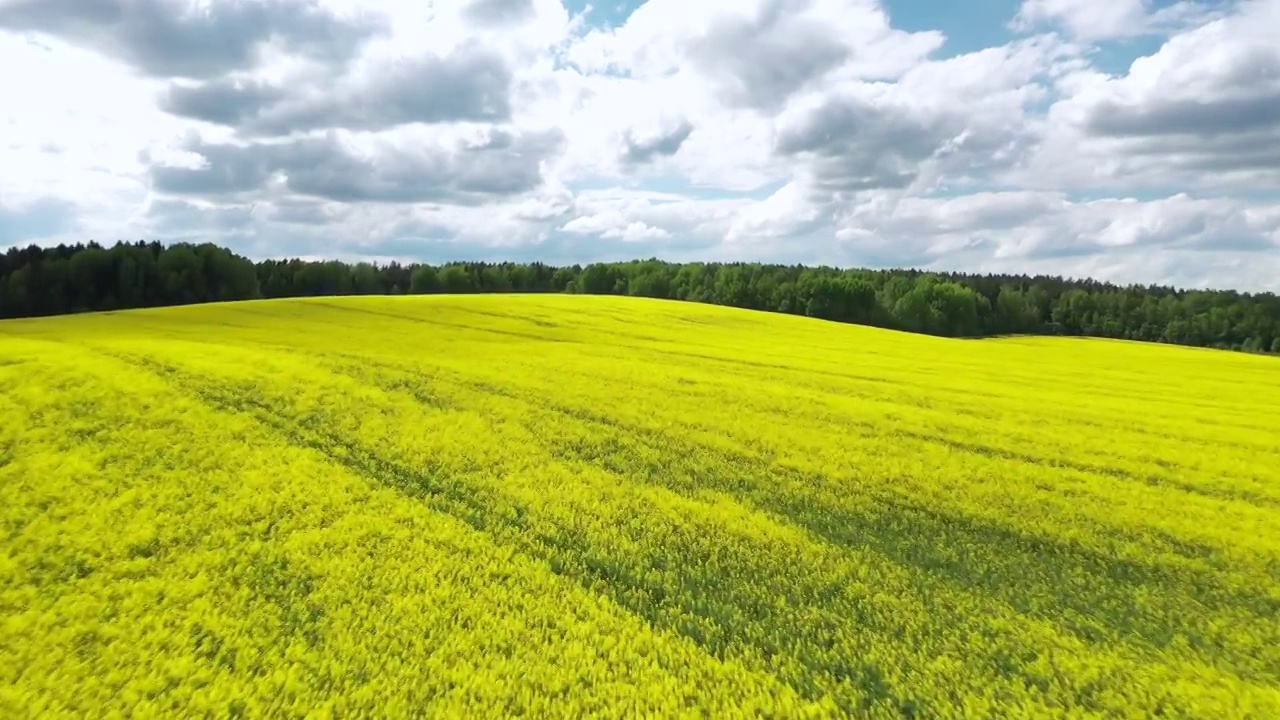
(498,505)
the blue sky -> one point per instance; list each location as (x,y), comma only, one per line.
(706,129)
(969,26)
(606,14)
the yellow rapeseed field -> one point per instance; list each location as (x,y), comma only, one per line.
(496,506)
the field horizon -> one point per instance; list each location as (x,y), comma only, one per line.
(463,296)
(70,279)
(597,505)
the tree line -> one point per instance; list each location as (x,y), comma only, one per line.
(36,281)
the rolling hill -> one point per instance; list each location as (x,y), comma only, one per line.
(502,504)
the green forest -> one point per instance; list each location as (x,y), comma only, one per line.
(36,281)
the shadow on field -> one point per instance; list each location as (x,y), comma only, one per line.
(1099,597)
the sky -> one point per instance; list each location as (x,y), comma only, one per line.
(1124,140)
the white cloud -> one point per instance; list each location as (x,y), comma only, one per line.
(635,231)
(1201,112)
(786,213)
(1105,19)
(1007,226)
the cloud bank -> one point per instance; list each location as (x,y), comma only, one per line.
(1131,140)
